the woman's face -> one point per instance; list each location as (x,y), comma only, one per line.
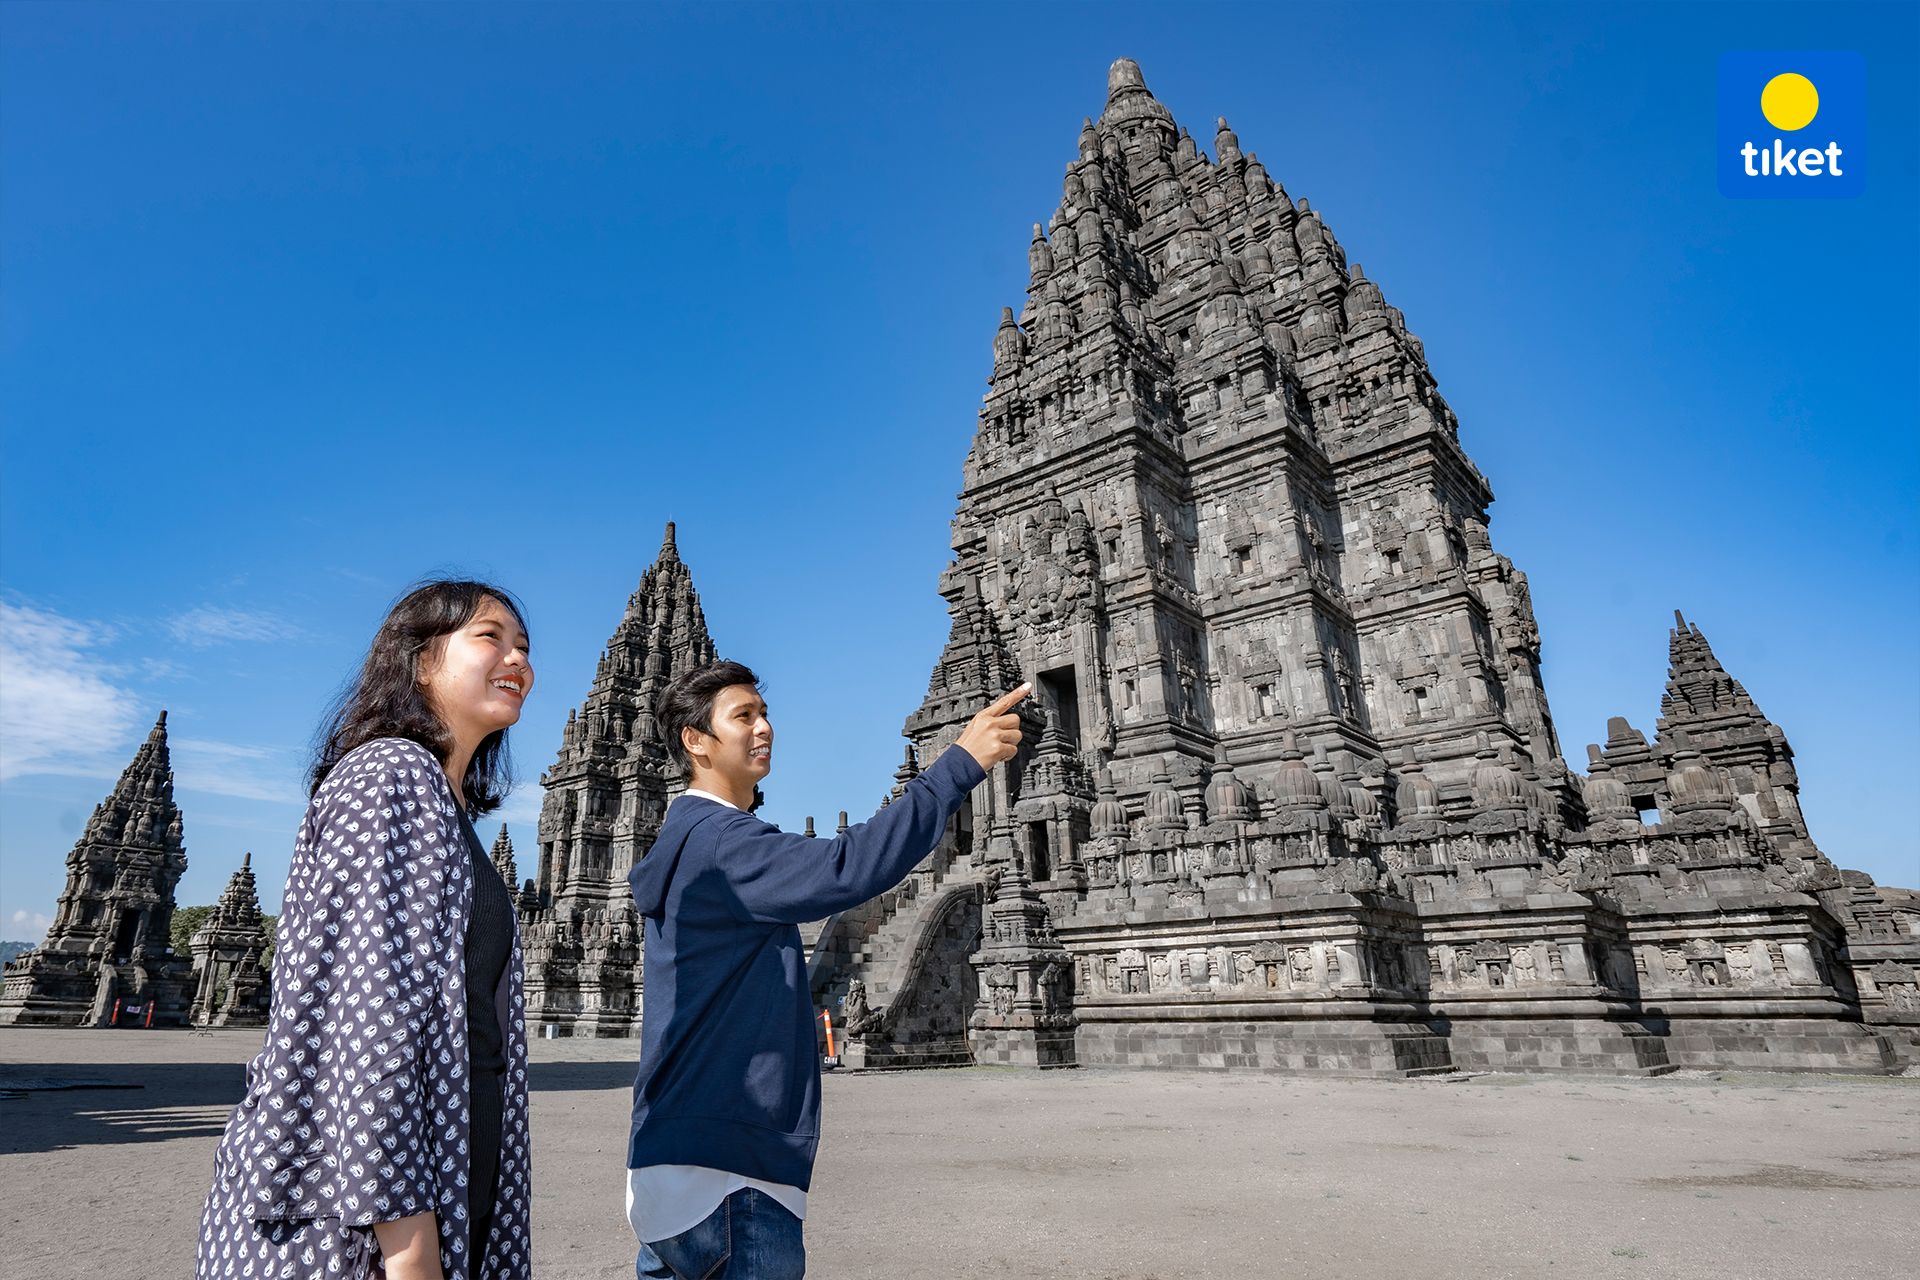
(481,674)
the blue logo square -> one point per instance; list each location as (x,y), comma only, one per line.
(1792,125)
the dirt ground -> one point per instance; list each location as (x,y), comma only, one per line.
(1088,1175)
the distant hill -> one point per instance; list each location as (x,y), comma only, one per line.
(8,950)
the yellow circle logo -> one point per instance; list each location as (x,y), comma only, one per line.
(1789,102)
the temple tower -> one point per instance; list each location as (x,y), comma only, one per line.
(606,796)
(1215,497)
(503,859)
(110,937)
(231,983)
(1291,795)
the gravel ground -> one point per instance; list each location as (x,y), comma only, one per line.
(1088,1175)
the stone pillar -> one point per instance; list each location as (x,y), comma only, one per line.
(203,995)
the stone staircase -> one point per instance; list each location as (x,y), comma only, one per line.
(870,941)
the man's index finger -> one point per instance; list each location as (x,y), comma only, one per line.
(1006,701)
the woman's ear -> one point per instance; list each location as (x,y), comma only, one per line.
(423,663)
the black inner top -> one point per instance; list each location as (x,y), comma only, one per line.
(489,946)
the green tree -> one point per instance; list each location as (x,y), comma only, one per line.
(186,922)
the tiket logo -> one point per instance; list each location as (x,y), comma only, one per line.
(1792,125)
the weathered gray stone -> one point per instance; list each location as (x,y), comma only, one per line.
(232,986)
(109,949)
(606,795)
(1292,796)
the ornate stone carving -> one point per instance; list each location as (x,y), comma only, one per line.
(110,935)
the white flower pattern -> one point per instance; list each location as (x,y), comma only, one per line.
(356,1108)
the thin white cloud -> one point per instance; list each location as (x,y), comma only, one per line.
(523,805)
(236,770)
(33,922)
(209,625)
(60,710)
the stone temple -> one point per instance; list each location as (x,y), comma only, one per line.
(606,796)
(232,984)
(108,960)
(109,951)
(1296,798)
(1293,797)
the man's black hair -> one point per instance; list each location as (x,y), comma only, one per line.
(687,703)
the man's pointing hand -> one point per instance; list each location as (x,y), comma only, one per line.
(994,734)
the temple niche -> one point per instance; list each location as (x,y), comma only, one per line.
(1292,796)
(108,959)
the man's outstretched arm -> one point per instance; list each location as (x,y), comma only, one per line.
(782,878)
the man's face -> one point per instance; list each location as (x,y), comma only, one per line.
(740,748)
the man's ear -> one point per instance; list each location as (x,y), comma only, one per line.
(689,739)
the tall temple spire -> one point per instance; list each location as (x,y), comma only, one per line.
(1131,106)
(503,859)
(1212,314)
(241,898)
(116,909)
(606,795)
(1708,710)
(1698,687)
(231,987)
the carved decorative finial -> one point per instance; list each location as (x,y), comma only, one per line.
(1124,74)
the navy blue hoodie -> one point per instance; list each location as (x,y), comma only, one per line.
(729,1069)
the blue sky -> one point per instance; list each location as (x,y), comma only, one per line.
(303,302)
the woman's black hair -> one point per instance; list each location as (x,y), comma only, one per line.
(385,699)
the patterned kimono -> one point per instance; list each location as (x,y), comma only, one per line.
(356,1109)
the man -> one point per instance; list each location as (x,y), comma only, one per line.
(726,1108)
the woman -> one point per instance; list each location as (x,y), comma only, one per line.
(385,1122)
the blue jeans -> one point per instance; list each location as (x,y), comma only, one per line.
(748,1236)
